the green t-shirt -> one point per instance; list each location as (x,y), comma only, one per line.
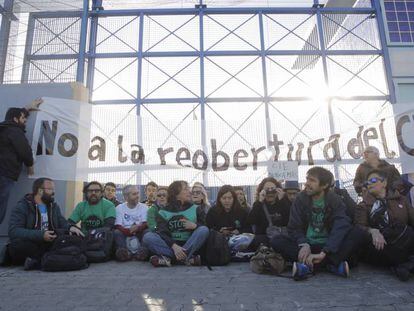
(93,216)
(152,217)
(317,232)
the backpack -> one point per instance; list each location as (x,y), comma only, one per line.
(217,249)
(66,254)
(99,245)
(267,260)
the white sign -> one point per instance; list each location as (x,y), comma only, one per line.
(283,170)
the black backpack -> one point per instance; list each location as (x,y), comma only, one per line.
(66,254)
(217,251)
(99,245)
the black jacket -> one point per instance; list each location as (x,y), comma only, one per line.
(25,220)
(217,218)
(336,221)
(162,225)
(14,150)
(279,212)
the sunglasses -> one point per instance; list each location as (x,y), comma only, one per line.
(373,180)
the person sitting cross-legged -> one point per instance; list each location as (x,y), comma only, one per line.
(388,220)
(180,230)
(34,223)
(320,232)
(130,223)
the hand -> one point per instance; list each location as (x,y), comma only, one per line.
(262,195)
(226,231)
(49,236)
(378,239)
(280,193)
(304,252)
(188,224)
(316,258)
(34,105)
(75,230)
(179,252)
(30,170)
(133,229)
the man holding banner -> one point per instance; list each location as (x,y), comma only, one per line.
(14,150)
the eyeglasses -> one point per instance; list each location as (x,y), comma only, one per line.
(161,195)
(197,192)
(373,180)
(49,189)
(94,190)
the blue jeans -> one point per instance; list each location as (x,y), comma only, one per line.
(6,185)
(158,246)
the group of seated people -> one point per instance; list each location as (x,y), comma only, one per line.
(320,227)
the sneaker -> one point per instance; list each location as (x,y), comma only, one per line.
(122,254)
(142,254)
(402,272)
(300,271)
(160,261)
(31,264)
(194,261)
(342,269)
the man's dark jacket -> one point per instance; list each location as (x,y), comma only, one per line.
(25,220)
(336,221)
(14,150)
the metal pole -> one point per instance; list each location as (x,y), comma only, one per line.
(202,91)
(139,92)
(384,47)
(264,72)
(80,74)
(92,51)
(4,35)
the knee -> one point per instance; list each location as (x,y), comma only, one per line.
(203,230)
(149,237)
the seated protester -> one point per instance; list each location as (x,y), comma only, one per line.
(95,212)
(372,161)
(161,202)
(131,221)
(110,193)
(388,219)
(241,197)
(33,224)
(199,196)
(291,189)
(150,193)
(180,229)
(320,232)
(350,204)
(272,205)
(227,216)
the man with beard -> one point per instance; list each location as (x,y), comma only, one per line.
(14,151)
(95,212)
(320,232)
(33,224)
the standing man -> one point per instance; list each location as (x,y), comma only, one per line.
(33,224)
(14,150)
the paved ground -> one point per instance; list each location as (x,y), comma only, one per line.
(138,286)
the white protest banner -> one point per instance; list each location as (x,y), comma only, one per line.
(61,139)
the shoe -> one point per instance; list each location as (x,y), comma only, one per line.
(122,254)
(300,271)
(402,272)
(142,254)
(342,269)
(160,261)
(31,264)
(194,261)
